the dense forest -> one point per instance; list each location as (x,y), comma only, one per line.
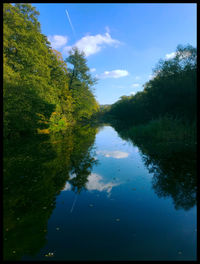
(166,109)
(40,93)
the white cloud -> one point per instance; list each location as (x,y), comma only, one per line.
(95,183)
(183,55)
(170,55)
(93,44)
(92,69)
(57,41)
(67,187)
(114,154)
(135,85)
(133,93)
(113,74)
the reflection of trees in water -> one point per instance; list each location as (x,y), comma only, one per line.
(35,171)
(29,190)
(82,171)
(81,158)
(174,169)
(173,166)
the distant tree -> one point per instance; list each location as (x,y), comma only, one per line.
(172,91)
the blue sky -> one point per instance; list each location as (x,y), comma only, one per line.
(122,42)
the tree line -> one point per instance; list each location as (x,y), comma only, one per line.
(40,92)
(172,92)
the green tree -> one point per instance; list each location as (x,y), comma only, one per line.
(62,117)
(35,76)
(80,85)
(25,71)
(80,70)
(171,92)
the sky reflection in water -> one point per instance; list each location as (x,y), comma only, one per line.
(119,216)
(111,207)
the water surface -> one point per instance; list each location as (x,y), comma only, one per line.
(91,195)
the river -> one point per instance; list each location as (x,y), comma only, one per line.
(91,195)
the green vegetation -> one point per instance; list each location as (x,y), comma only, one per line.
(166,108)
(161,121)
(44,94)
(80,85)
(165,129)
(40,94)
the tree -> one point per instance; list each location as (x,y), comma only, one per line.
(26,73)
(80,69)
(35,76)
(80,85)
(171,92)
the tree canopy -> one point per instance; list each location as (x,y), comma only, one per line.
(80,85)
(40,93)
(171,91)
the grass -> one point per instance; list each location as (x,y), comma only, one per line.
(165,129)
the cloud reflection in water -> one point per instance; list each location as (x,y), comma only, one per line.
(95,183)
(117,154)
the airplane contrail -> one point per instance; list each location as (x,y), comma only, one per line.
(73,203)
(70,23)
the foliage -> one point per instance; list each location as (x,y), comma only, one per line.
(172,91)
(80,85)
(161,121)
(37,87)
(165,129)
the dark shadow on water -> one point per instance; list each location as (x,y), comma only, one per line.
(35,171)
(173,165)
(174,172)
